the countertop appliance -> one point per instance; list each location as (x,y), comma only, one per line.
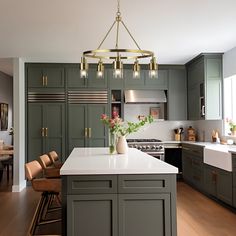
(153,147)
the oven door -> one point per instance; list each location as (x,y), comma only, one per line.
(158,155)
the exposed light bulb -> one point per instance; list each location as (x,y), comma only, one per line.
(118,73)
(99,74)
(100,69)
(153,74)
(136,74)
(136,70)
(118,68)
(83,74)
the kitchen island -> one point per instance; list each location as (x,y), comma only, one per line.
(132,194)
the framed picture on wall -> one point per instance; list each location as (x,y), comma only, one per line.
(155,112)
(3,116)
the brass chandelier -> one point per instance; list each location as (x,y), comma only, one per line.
(117,55)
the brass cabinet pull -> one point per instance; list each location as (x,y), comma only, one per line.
(86,132)
(46,80)
(43,80)
(46,132)
(42,132)
(90,132)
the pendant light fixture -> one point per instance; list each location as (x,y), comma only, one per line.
(118,55)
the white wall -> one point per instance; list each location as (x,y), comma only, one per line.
(19,125)
(6,96)
(229,63)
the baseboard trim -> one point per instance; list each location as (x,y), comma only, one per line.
(19,188)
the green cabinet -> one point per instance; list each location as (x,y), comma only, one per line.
(84,126)
(46,129)
(144,214)
(177,94)
(119,205)
(131,82)
(92,214)
(218,183)
(192,160)
(234,178)
(75,81)
(204,75)
(157,83)
(45,76)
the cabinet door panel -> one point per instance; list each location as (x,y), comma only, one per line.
(131,82)
(73,77)
(76,125)
(194,103)
(35,77)
(92,215)
(55,77)
(177,95)
(144,214)
(35,124)
(160,83)
(224,186)
(209,180)
(97,130)
(54,115)
(94,81)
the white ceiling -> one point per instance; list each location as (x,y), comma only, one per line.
(59,30)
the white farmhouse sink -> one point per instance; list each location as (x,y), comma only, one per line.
(218,156)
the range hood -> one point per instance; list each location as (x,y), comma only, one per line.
(145,96)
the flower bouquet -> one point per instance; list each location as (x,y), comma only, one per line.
(119,128)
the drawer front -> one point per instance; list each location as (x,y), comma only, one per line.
(145,183)
(193,150)
(92,184)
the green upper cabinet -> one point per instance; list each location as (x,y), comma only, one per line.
(45,76)
(204,76)
(75,81)
(157,83)
(177,94)
(131,82)
(114,83)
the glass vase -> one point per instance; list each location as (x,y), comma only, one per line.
(112,143)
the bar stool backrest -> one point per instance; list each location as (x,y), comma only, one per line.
(54,156)
(45,161)
(32,170)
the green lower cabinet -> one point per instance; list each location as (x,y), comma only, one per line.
(187,167)
(234,197)
(144,214)
(119,205)
(84,126)
(218,183)
(92,215)
(46,129)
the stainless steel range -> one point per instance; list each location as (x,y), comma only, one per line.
(153,147)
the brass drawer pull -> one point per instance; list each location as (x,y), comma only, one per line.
(46,132)
(42,132)
(86,132)
(90,132)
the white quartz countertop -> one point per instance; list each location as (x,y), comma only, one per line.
(98,161)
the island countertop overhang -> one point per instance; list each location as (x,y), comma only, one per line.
(98,161)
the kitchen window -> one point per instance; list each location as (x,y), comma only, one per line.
(229,102)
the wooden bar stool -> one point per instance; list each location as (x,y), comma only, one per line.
(49,170)
(55,159)
(50,188)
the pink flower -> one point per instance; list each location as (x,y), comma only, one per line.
(103,117)
(115,114)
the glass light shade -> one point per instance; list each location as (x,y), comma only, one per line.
(136,70)
(153,74)
(118,73)
(118,68)
(83,68)
(83,74)
(100,70)
(136,74)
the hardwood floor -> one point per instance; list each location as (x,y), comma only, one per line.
(197,215)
